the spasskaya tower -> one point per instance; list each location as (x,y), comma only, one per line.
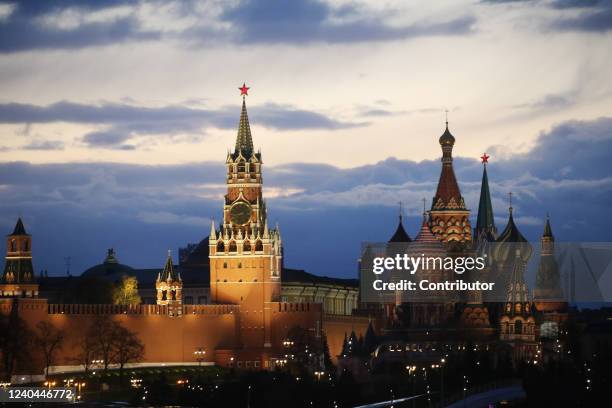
(245,255)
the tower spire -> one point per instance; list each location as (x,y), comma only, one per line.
(244,140)
(510,203)
(19,228)
(485,222)
(547,229)
(400,210)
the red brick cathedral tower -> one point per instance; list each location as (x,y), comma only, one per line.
(449,216)
(245,255)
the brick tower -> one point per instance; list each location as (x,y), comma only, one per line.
(169,287)
(245,255)
(18,277)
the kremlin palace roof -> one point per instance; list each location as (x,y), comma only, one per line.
(196,273)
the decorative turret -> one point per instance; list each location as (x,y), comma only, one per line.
(169,287)
(18,277)
(485,222)
(449,216)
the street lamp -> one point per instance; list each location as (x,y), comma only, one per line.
(199,355)
(79,386)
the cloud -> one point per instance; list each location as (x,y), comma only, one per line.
(78,209)
(44,145)
(310,21)
(25,25)
(550,101)
(66,25)
(593,16)
(121,122)
(597,21)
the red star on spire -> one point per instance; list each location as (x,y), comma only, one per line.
(485,158)
(244,90)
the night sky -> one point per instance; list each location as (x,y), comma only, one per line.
(116,117)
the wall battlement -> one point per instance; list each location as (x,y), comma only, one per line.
(108,309)
(284,307)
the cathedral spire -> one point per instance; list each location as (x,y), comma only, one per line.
(485,223)
(244,141)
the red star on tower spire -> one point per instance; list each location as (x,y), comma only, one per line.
(485,158)
(244,90)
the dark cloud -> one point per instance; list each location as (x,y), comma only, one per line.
(597,20)
(261,21)
(79,209)
(550,101)
(44,145)
(506,1)
(568,4)
(123,121)
(24,30)
(308,21)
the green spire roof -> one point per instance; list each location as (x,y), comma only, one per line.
(485,220)
(19,228)
(244,141)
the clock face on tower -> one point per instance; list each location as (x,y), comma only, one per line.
(240,213)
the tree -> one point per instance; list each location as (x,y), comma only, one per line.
(305,350)
(15,342)
(126,292)
(103,331)
(49,341)
(107,340)
(87,350)
(127,347)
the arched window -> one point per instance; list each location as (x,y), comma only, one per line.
(232,246)
(518,327)
(164,295)
(220,246)
(241,167)
(253,168)
(26,246)
(247,246)
(258,246)
(13,246)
